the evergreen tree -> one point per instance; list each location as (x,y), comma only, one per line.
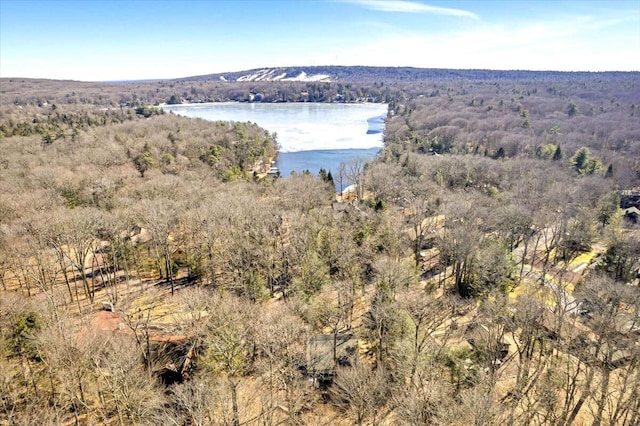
(584,163)
(557,156)
(330,179)
(609,172)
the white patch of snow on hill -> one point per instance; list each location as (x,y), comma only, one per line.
(253,77)
(303,76)
(269,75)
(266,75)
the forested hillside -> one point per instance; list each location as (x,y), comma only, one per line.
(549,120)
(482,271)
(342,84)
(367,74)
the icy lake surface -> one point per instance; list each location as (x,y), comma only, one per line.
(311,135)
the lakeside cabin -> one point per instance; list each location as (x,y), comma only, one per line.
(273,171)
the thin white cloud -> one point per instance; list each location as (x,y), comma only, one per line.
(578,43)
(377,25)
(402,6)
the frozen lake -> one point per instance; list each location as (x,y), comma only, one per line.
(311,135)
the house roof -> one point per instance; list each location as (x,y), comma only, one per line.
(632,210)
(320,358)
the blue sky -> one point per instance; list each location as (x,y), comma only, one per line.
(118,40)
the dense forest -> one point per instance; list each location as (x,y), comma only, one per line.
(483,271)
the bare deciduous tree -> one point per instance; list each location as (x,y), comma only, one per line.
(362,392)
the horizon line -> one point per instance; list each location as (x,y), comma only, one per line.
(153,80)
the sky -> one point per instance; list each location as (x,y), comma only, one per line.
(130,40)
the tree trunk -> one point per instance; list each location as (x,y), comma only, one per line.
(535,250)
(167,264)
(604,390)
(524,257)
(233,386)
(64,273)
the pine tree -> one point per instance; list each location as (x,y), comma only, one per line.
(330,179)
(557,156)
(609,172)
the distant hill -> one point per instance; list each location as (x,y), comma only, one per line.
(319,84)
(370,74)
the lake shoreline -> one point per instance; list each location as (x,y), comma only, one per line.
(310,135)
(302,126)
(164,104)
